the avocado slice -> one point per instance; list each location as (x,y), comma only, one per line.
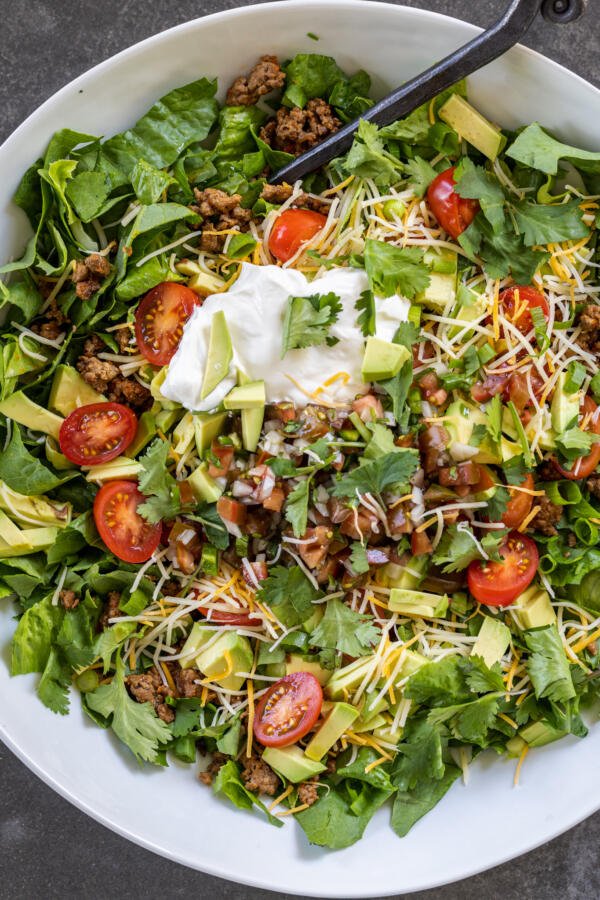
(440,292)
(339,719)
(218,356)
(9,532)
(200,281)
(155,386)
(252,420)
(32,509)
(417,603)
(537,734)
(492,641)
(120,468)
(534,609)
(363,725)
(291,763)
(165,418)
(32,541)
(246,396)
(408,577)
(207,426)
(183,434)
(200,634)
(229,654)
(345,680)
(55,457)
(69,391)
(298,664)
(204,487)
(564,409)
(470,125)
(24,411)
(146,430)
(383,359)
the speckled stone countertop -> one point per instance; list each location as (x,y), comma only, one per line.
(48,849)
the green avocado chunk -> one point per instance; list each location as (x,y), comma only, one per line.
(417,603)
(472,126)
(208,426)
(299,664)
(24,411)
(533,608)
(230,653)
(382,359)
(69,391)
(219,354)
(492,641)
(291,763)
(204,487)
(339,719)
(246,396)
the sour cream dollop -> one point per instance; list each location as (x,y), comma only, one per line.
(254,308)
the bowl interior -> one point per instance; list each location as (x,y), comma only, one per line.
(476,826)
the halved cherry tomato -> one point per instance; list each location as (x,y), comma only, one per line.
(123,530)
(288,710)
(453,212)
(499,583)
(520,299)
(159,320)
(97,432)
(519,504)
(292,229)
(584,465)
(220,617)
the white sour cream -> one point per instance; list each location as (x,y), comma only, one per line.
(254,308)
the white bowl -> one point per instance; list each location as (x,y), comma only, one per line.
(474,827)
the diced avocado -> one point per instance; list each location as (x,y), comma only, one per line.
(470,305)
(246,396)
(146,430)
(373,705)
(382,359)
(218,355)
(9,532)
(69,391)
(417,603)
(24,411)
(345,680)
(515,746)
(440,291)
(209,560)
(492,641)
(230,653)
(183,434)
(311,624)
(533,608)
(33,509)
(470,125)
(412,663)
(32,541)
(166,418)
(204,487)
(546,438)
(201,282)
(298,664)
(537,734)
(459,421)
(155,386)
(252,420)
(116,469)
(200,634)
(564,409)
(207,427)
(444,262)
(55,457)
(363,725)
(339,719)
(388,734)
(408,577)
(292,764)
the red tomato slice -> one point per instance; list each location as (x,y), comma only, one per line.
(518,300)
(288,710)
(499,583)
(292,229)
(123,530)
(159,320)
(454,213)
(519,504)
(585,465)
(97,432)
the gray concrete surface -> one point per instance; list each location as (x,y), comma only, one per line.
(48,849)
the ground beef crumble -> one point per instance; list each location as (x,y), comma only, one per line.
(279,193)
(593,485)
(111,610)
(217,762)
(105,377)
(308,793)
(546,519)
(149,688)
(589,323)
(259,777)
(297,130)
(185,682)
(89,274)
(266,76)
(68,599)
(220,212)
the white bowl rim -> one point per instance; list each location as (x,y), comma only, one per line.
(207,867)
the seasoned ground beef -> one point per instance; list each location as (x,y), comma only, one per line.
(297,130)
(217,762)
(259,777)
(266,76)
(220,212)
(149,688)
(589,322)
(593,485)
(546,519)
(130,392)
(97,372)
(279,193)
(111,610)
(49,330)
(89,274)
(105,377)
(308,793)
(185,682)
(68,599)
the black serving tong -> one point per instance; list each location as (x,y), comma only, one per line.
(483,49)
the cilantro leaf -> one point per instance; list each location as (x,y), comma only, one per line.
(497,504)
(368,157)
(502,252)
(290,595)
(397,389)
(468,722)
(475,183)
(358,558)
(481,678)
(136,724)
(420,175)
(419,757)
(545,223)
(548,665)
(535,148)
(377,474)
(394,270)
(515,470)
(157,483)
(296,507)
(365,306)
(458,548)
(573,442)
(344,630)
(212,523)
(308,319)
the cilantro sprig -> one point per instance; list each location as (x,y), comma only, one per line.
(307,321)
